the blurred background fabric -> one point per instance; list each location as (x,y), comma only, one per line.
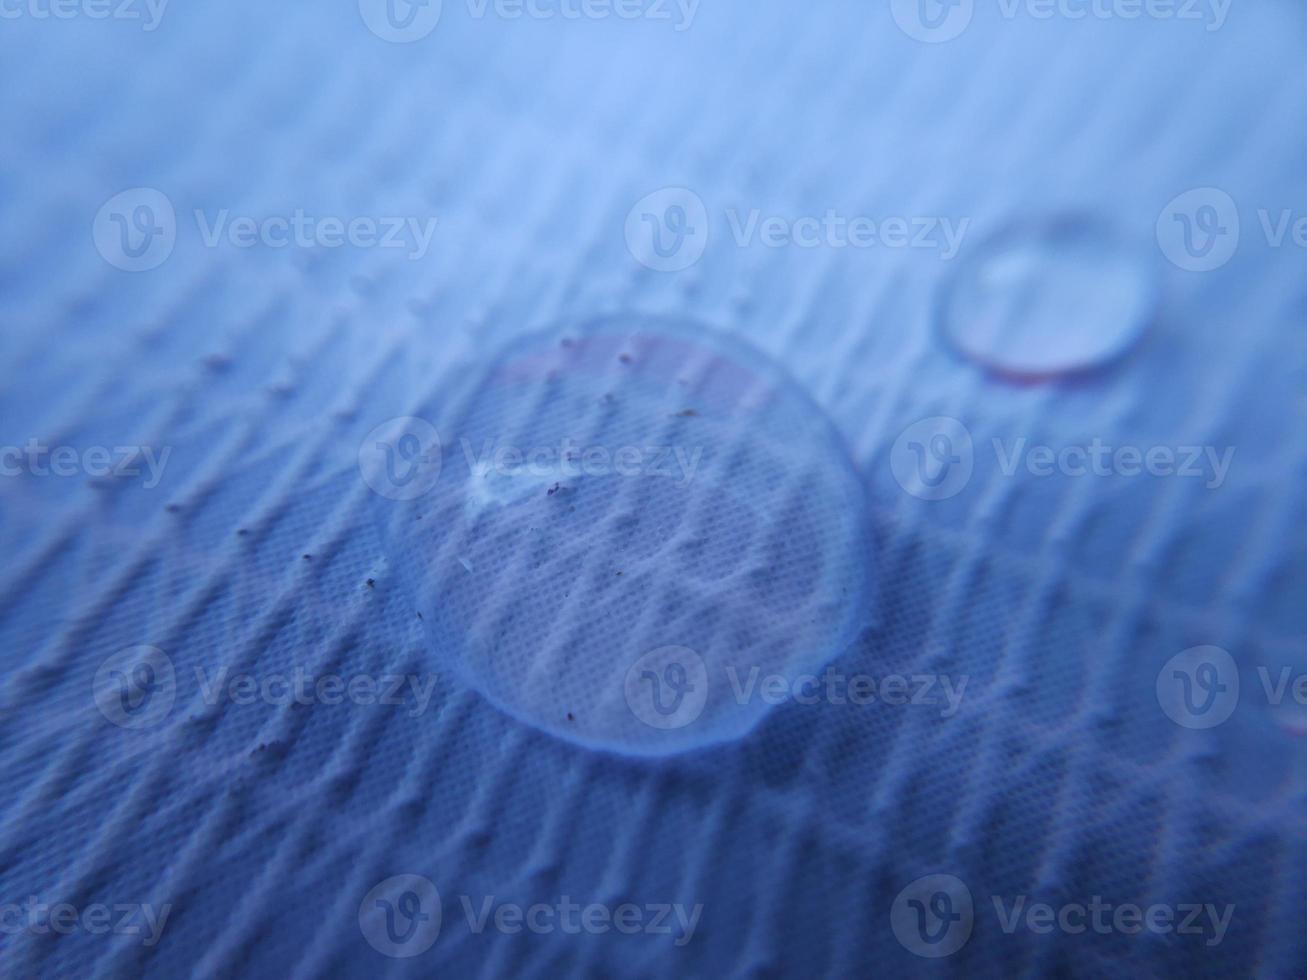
(531,140)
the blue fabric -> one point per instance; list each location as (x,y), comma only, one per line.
(264,827)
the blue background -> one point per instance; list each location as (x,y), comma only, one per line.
(531,140)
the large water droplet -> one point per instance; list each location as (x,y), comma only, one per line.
(1049,298)
(634,521)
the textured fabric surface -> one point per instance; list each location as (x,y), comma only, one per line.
(266,825)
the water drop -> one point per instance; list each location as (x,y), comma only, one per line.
(1049,298)
(638,565)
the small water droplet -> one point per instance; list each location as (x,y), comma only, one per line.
(1049,298)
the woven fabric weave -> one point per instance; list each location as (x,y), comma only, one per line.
(266,825)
